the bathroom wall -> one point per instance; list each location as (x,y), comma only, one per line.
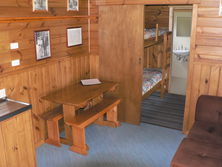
(181,41)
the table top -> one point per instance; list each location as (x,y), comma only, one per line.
(78,95)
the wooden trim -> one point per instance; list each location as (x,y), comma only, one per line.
(182,10)
(161,2)
(186,122)
(147,2)
(31,19)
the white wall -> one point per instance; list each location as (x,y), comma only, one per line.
(179,70)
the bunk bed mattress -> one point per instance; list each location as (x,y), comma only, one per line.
(151,76)
(151,33)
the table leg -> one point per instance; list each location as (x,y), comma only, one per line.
(69,113)
(79,141)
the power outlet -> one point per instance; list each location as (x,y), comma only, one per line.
(14,45)
(2,93)
(15,63)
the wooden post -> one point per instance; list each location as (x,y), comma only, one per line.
(112,116)
(53,133)
(69,113)
(157,32)
(79,141)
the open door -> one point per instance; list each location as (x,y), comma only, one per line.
(121,53)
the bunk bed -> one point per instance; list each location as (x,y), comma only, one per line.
(157,58)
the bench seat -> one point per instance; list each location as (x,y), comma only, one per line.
(85,118)
(89,116)
(52,119)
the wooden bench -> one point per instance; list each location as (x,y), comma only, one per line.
(83,119)
(52,119)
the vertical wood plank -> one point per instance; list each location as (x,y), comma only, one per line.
(188,114)
(3,162)
(214,80)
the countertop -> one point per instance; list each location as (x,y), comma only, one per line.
(10,108)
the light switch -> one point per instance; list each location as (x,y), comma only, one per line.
(15,62)
(14,45)
(2,93)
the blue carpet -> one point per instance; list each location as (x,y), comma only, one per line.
(127,146)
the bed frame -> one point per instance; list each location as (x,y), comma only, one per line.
(157,54)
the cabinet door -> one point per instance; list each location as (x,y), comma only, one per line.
(2,150)
(9,134)
(121,49)
(18,141)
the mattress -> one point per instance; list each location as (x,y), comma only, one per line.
(151,76)
(151,33)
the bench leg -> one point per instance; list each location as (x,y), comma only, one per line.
(112,116)
(53,133)
(79,141)
(111,119)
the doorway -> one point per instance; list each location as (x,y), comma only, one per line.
(168,111)
(181,24)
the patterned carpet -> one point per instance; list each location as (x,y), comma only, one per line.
(167,112)
(127,146)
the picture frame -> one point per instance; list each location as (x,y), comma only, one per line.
(74,36)
(40,5)
(42,44)
(72,5)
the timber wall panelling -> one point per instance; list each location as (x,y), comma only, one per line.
(94,39)
(206,61)
(146,2)
(156,15)
(33,79)
(23,8)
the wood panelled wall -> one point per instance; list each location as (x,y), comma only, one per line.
(33,79)
(205,75)
(156,15)
(23,8)
(23,33)
(145,2)
(94,38)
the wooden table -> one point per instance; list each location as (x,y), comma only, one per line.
(77,96)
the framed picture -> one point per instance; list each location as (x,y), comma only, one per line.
(72,5)
(220,8)
(42,44)
(74,36)
(40,5)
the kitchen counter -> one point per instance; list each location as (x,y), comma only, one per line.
(10,108)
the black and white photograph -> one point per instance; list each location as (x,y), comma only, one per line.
(73,5)
(42,44)
(40,5)
(74,36)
